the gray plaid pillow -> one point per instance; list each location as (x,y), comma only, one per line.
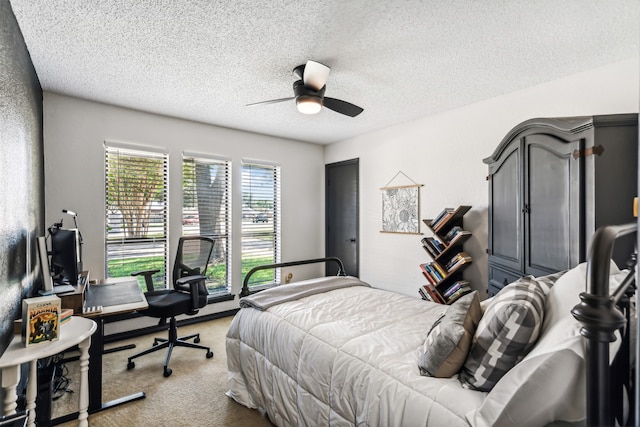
(507,331)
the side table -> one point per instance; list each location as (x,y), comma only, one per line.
(76,331)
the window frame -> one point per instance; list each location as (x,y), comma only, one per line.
(253,230)
(159,243)
(225,204)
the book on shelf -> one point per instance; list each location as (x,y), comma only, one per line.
(460,258)
(459,263)
(434,244)
(429,251)
(443,221)
(460,284)
(429,277)
(41,319)
(430,270)
(430,246)
(438,243)
(440,217)
(433,293)
(440,270)
(459,293)
(424,294)
(451,233)
(458,236)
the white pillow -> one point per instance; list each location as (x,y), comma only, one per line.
(565,294)
(549,384)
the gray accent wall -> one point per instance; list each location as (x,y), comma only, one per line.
(21,172)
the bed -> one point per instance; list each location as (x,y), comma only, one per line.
(337,351)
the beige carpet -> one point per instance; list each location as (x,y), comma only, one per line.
(194,395)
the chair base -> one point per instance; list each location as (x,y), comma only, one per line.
(170,343)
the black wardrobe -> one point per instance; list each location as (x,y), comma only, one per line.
(552,183)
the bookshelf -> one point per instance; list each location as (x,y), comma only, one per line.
(444,273)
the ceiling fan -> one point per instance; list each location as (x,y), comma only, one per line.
(309,87)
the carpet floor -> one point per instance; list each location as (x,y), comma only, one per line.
(194,395)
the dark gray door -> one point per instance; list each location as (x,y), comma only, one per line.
(552,197)
(505,208)
(341,215)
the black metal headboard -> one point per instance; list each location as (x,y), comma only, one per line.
(245,284)
(601,314)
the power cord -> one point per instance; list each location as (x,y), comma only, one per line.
(61,381)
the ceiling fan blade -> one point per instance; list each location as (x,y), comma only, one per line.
(315,75)
(342,107)
(273,101)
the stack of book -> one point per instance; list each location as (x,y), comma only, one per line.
(430,293)
(454,234)
(456,261)
(65,315)
(441,218)
(458,289)
(433,245)
(433,272)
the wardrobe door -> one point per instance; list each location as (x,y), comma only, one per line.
(505,205)
(552,205)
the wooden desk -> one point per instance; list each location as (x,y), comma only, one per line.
(115,295)
(76,331)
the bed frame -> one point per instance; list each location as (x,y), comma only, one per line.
(245,284)
(601,315)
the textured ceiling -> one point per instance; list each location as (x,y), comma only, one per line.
(399,60)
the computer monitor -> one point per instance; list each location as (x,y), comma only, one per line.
(66,255)
(43,254)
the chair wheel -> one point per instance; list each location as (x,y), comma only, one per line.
(196,340)
(210,355)
(167,372)
(131,365)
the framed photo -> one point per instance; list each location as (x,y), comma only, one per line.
(401,209)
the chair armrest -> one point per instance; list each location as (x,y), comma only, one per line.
(145,272)
(148,279)
(193,282)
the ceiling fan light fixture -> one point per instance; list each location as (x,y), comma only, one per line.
(308,104)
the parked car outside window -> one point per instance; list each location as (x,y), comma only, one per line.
(260,217)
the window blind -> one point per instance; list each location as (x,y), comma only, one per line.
(136,212)
(206,211)
(260,221)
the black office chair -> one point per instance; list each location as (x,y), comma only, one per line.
(189,294)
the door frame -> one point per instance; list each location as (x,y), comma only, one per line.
(355,162)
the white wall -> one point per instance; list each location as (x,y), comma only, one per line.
(444,152)
(74,134)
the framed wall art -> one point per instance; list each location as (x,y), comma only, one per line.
(401,209)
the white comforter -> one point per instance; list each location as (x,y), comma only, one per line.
(344,357)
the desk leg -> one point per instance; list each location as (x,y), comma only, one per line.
(10,378)
(32,391)
(95,367)
(84,383)
(95,375)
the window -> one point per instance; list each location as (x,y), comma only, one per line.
(206,211)
(260,221)
(136,211)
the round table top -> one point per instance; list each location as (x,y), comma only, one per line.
(73,332)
